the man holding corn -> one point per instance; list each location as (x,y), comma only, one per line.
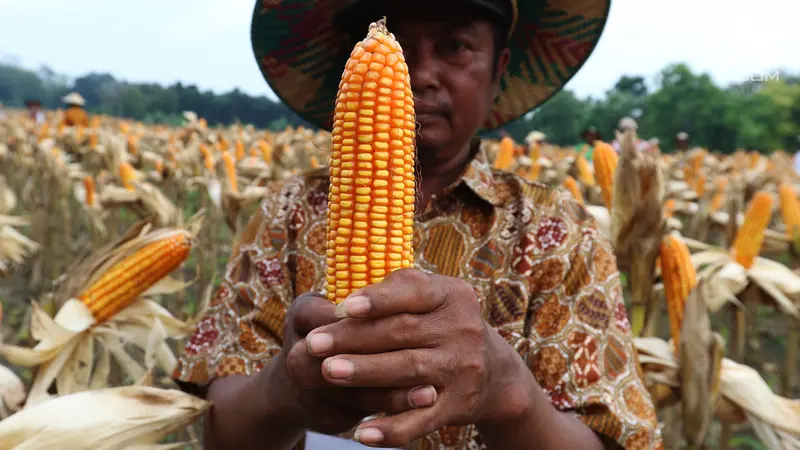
(509,332)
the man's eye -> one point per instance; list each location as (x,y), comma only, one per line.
(455,46)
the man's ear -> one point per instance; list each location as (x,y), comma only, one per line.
(502,63)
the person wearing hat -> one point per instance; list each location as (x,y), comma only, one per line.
(589,136)
(75,115)
(510,332)
(34,107)
(682,141)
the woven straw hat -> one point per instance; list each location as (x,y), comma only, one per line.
(535,136)
(302,54)
(73,98)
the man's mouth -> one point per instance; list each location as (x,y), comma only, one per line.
(423,108)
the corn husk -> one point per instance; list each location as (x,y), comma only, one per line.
(12,392)
(105,419)
(744,394)
(729,278)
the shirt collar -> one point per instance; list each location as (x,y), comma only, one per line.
(478,174)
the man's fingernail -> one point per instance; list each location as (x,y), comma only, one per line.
(340,369)
(368,436)
(320,343)
(422,396)
(355,306)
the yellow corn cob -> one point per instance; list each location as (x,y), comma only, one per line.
(790,209)
(93,140)
(584,172)
(755,157)
(313,161)
(505,155)
(88,185)
(95,122)
(61,127)
(127,174)
(202,123)
(679,277)
(747,244)
(79,133)
(124,282)
(204,151)
(719,193)
(535,151)
(717,200)
(533,171)
(721,184)
(605,164)
(44,131)
(572,186)
(223,143)
(239,150)
(688,174)
(669,207)
(700,186)
(697,163)
(266,151)
(208,162)
(132,146)
(230,171)
(372,183)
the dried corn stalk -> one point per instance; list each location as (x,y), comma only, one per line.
(637,224)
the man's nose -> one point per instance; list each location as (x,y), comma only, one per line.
(424,69)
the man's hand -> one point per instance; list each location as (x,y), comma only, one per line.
(427,332)
(296,377)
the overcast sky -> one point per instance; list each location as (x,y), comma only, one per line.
(206,42)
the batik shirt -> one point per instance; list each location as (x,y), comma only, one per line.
(545,276)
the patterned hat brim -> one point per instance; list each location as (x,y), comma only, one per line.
(302,55)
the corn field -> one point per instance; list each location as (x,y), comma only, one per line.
(112,238)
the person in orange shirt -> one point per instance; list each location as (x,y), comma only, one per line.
(75,114)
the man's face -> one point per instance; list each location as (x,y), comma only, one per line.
(450,55)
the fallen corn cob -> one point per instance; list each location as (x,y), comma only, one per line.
(750,236)
(372,183)
(679,277)
(125,281)
(605,164)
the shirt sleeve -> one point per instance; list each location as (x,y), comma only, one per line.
(243,326)
(579,346)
